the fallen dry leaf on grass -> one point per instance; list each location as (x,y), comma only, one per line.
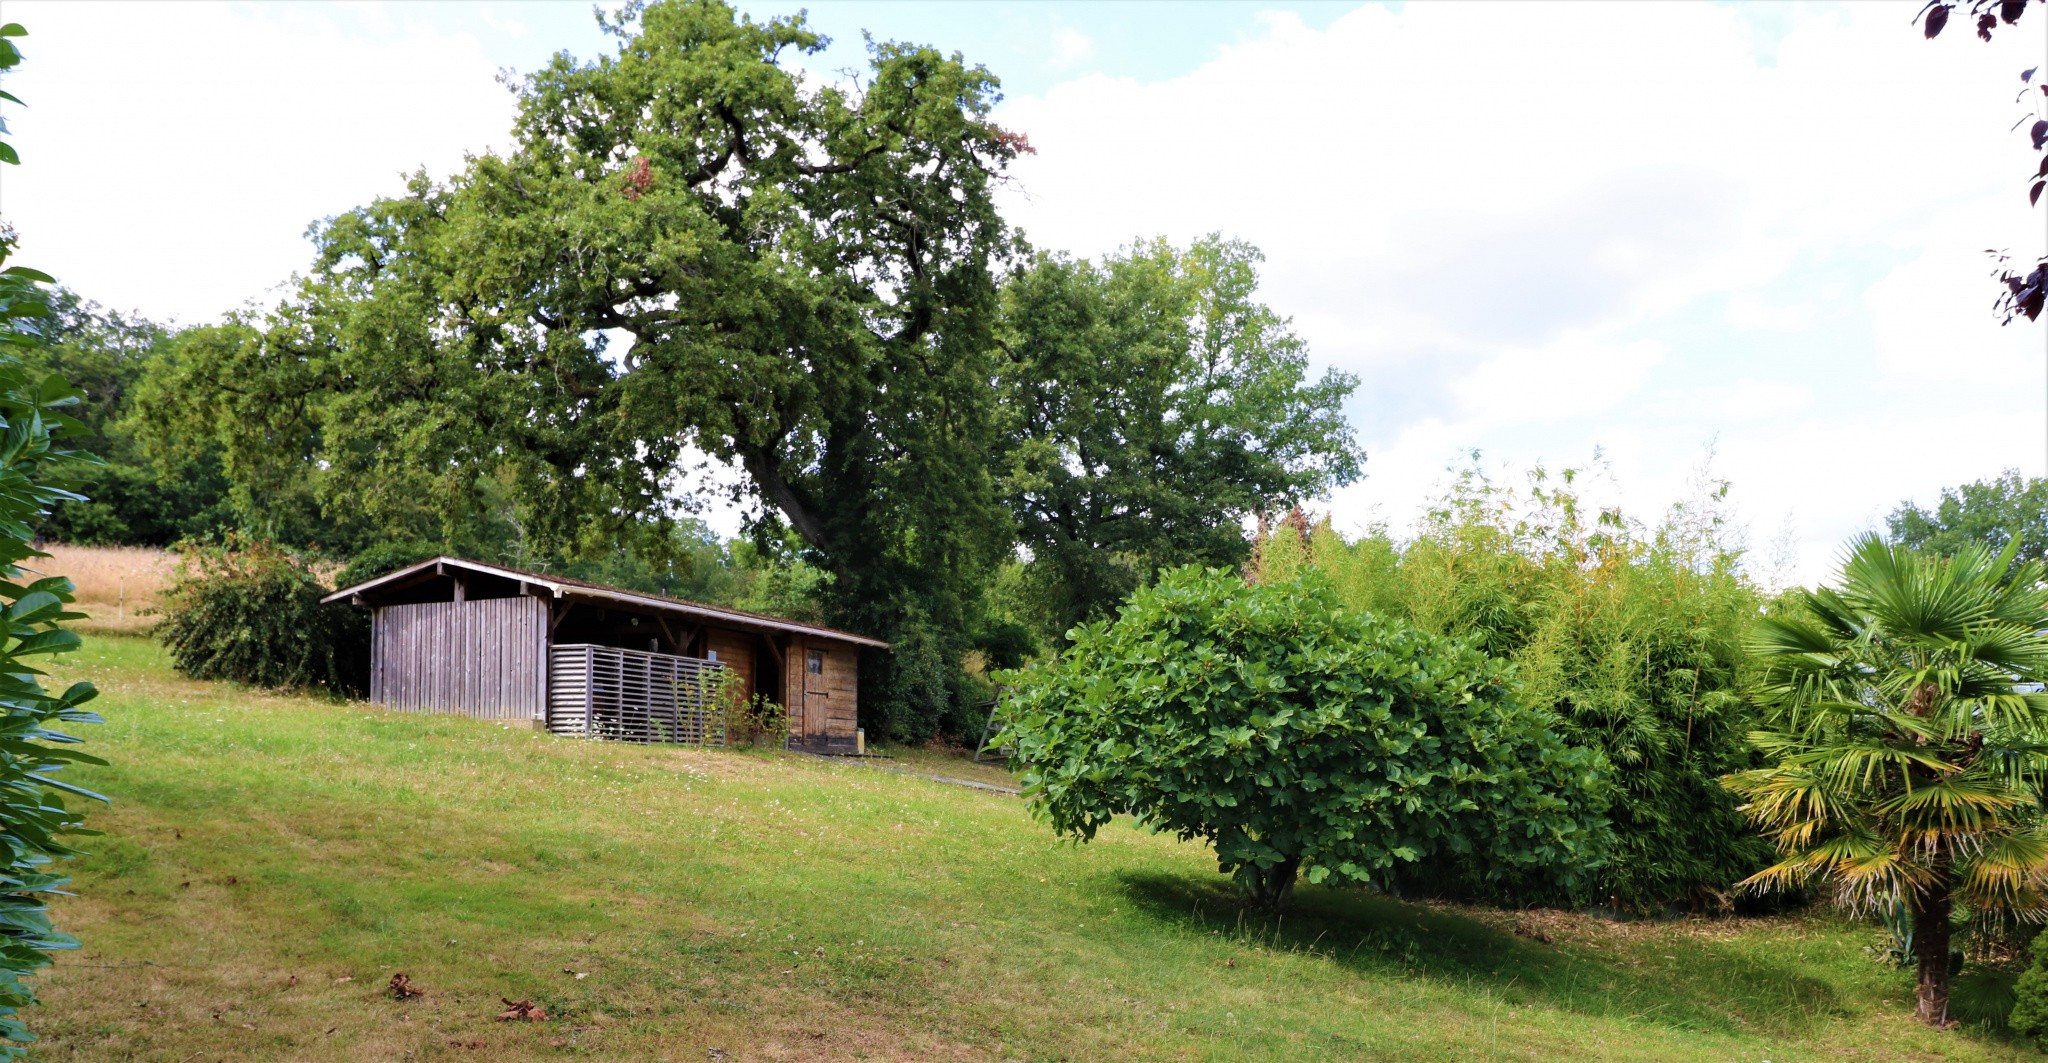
(402,987)
(525,1010)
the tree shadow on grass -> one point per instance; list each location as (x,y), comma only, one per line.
(1706,987)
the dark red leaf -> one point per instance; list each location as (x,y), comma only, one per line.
(1937,17)
(1985,24)
(2034,193)
(2028,295)
(2043,171)
(2039,133)
(2011,10)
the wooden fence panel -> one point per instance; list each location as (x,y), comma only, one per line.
(479,658)
(634,696)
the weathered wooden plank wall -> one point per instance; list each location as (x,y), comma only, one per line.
(734,650)
(486,659)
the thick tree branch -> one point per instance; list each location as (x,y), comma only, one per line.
(761,465)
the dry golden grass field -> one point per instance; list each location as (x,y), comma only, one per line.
(117,585)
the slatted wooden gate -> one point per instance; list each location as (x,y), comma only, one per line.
(633,695)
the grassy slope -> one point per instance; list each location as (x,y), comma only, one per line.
(775,907)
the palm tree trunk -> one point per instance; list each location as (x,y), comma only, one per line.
(1930,909)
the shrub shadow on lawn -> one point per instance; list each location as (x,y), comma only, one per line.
(1705,987)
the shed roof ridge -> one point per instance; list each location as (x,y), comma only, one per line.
(572,583)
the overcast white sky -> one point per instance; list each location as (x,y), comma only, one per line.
(1530,228)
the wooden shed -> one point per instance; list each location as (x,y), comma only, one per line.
(581,658)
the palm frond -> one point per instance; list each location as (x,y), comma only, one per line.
(1952,805)
(2005,871)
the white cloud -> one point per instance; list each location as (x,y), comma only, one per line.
(181,176)
(1070,46)
(1576,376)
(1533,228)
(1747,399)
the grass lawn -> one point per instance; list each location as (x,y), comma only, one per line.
(270,863)
(946,764)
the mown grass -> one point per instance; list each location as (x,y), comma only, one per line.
(947,763)
(271,862)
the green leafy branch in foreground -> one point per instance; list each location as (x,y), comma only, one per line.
(33,470)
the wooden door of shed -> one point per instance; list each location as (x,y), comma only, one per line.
(815,665)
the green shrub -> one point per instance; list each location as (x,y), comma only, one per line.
(1294,735)
(1630,634)
(757,721)
(250,612)
(2029,1014)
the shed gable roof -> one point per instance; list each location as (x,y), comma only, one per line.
(568,587)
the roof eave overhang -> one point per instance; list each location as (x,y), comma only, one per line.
(440,566)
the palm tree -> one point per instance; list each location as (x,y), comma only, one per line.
(1907,765)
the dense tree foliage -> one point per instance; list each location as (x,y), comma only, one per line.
(38,466)
(1631,635)
(1907,765)
(137,499)
(1153,404)
(1989,514)
(1295,735)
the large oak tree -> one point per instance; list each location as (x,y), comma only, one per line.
(693,250)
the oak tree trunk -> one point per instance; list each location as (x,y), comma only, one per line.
(1930,911)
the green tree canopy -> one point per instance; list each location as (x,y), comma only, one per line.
(1906,763)
(1988,514)
(1297,736)
(137,499)
(1152,404)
